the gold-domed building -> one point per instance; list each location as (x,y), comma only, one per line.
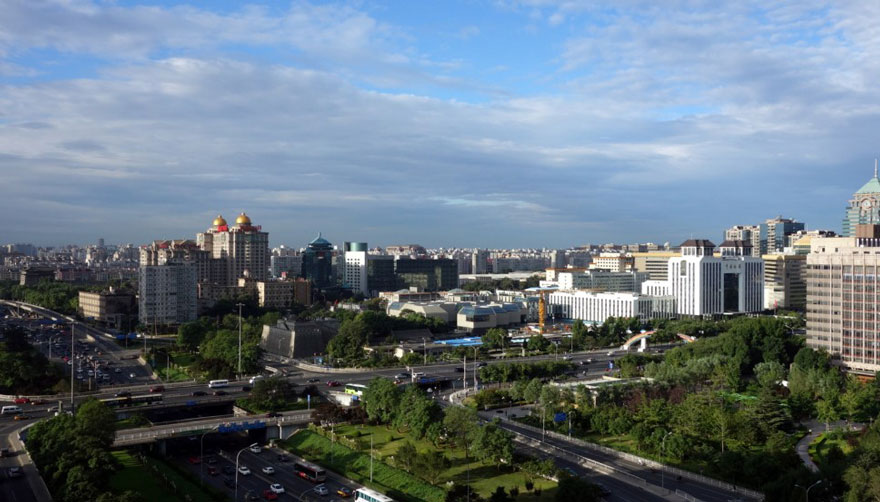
(243,246)
(219,221)
(243,219)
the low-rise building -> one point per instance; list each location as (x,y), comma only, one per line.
(595,308)
(298,339)
(110,307)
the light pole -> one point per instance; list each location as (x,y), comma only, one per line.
(202,454)
(236,467)
(663,466)
(239,338)
(72,363)
(807,490)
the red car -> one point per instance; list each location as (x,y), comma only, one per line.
(270,495)
(157,388)
(333,383)
(212,471)
(21,400)
(194,460)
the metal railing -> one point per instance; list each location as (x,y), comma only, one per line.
(146,435)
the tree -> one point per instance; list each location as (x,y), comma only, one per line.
(417,412)
(493,444)
(406,456)
(537,343)
(190,335)
(769,374)
(273,394)
(462,493)
(500,495)
(494,338)
(460,424)
(381,400)
(431,465)
(572,489)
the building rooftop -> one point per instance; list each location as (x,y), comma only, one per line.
(700,243)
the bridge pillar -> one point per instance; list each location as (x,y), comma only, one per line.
(161,448)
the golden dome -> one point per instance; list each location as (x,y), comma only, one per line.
(219,221)
(242,220)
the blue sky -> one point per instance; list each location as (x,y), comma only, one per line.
(496,123)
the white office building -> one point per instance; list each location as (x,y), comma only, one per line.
(168,294)
(602,280)
(705,284)
(597,307)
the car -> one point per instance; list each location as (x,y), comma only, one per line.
(268,470)
(345,492)
(246,388)
(283,458)
(566,358)
(21,400)
(610,353)
(251,496)
(212,471)
(481,364)
(459,369)
(333,383)
(228,469)
(270,495)
(14,472)
(52,409)
(313,380)
(219,392)
(603,490)
(194,460)
(402,376)
(244,471)
(229,482)
(123,394)
(132,375)
(199,393)
(322,490)
(255,449)
(21,416)
(276,488)
(157,388)
(273,414)
(117,370)
(211,459)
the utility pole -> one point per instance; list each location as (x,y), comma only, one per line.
(425,351)
(239,338)
(464,373)
(475,369)
(72,363)
(371,458)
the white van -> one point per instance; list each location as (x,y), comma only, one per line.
(255,379)
(216,384)
(10,410)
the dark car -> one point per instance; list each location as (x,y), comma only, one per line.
(211,459)
(246,388)
(459,369)
(283,458)
(157,388)
(228,469)
(229,482)
(313,380)
(344,492)
(199,393)
(219,392)
(123,394)
(212,471)
(333,383)
(273,414)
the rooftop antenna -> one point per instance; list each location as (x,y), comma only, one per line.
(875,167)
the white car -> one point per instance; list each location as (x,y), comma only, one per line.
(255,449)
(117,370)
(322,490)
(276,488)
(268,470)
(132,375)
(244,471)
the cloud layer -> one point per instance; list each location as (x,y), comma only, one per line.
(526,123)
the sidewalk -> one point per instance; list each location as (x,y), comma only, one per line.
(816,429)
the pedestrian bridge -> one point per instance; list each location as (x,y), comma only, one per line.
(276,428)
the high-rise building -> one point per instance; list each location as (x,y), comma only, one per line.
(785,281)
(380,274)
(354,272)
(843,307)
(654,263)
(864,207)
(480,261)
(168,293)
(318,263)
(748,233)
(775,232)
(705,284)
(244,247)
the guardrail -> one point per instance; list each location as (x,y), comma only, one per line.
(687,496)
(136,436)
(649,463)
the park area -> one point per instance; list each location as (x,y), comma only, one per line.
(154,480)
(346,450)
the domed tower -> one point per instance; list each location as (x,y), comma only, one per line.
(243,220)
(864,207)
(218,222)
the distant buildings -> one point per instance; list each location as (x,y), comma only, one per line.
(785,281)
(426,274)
(318,263)
(602,280)
(768,237)
(167,293)
(354,271)
(864,207)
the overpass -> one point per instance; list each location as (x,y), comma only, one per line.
(279,427)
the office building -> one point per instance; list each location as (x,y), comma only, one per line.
(285,262)
(864,207)
(748,233)
(653,263)
(596,308)
(110,307)
(380,274)
(167,294)
(843,307)
(354,268)
(785,281)
(704,284)
(602,280)
(775,233)
(318,263)
(426,275)
(613,262)
(480,262)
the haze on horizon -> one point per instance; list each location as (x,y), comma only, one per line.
(496,123)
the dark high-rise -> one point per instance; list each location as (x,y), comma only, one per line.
(426,274)
(318,263)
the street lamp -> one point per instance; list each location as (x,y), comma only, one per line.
(807,490)
(236,466)
(663,466)
(239,305)
(202,454)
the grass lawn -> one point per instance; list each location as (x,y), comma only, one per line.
(484,478)
(822,445)
(179,368)
(133,422)
(150,482)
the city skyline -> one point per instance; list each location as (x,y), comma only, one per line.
(507,124)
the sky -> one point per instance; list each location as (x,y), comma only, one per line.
(461,123)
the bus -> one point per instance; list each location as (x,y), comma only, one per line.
(216,384)
(311,472)
(368,495)
(355,389)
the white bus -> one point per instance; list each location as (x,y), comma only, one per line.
(368,495)
(9,410)
(216,384)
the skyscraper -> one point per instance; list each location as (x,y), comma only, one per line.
(774,232)
(244,246)
(864,207)
(318,263)
(354,268)
(167,294)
